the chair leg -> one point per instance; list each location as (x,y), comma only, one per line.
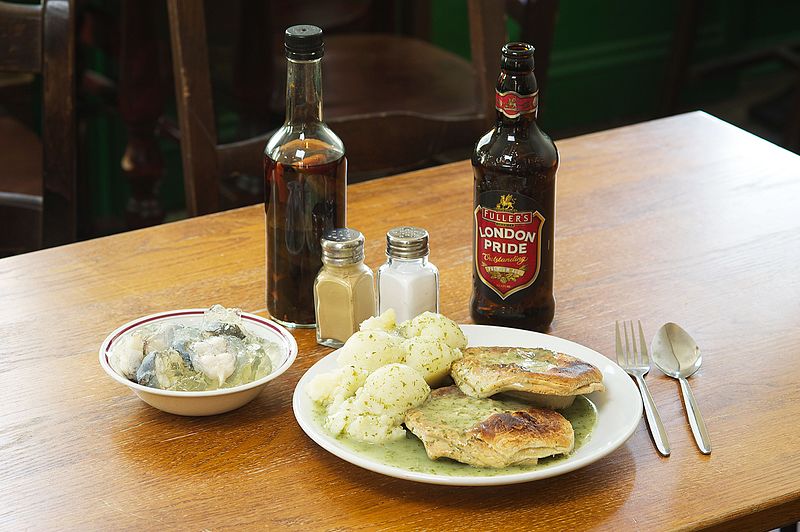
(141,102)
(59,134)
(792,129)
(539,29)
(193,95)
(678,61)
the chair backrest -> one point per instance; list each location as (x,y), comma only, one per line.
(403,133)
(40,39)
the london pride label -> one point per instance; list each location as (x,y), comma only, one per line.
(507,246)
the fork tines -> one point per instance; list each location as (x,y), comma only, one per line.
(631,357)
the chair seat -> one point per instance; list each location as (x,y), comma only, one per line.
(366,74)
(21,172)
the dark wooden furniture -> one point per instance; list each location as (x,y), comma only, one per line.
(258,73)
(395,101)
(681,71)
(144,85)
(41,210)
(537,22)
(143,89)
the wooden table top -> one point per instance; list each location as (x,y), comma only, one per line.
(685,219)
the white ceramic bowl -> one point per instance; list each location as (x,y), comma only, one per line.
(213,401)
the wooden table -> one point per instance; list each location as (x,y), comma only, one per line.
(685,219)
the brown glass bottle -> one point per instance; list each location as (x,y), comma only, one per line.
(515,166)
(305,172)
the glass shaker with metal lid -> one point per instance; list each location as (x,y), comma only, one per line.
(344,290)
(408,282)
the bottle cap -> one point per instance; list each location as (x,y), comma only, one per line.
(342,246)
(304,42)
(407,243)
(517,56)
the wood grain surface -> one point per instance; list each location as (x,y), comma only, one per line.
(685,219)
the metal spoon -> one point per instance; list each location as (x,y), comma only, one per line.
(677,355)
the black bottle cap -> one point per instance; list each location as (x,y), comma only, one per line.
(304,42)
(517,56)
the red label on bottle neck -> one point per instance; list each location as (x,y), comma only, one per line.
(507,246)
(512,104)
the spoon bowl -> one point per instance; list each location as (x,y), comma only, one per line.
(677,355)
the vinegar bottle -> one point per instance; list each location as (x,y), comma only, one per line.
(305,170)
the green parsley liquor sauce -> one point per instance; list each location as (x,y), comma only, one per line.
(409,452)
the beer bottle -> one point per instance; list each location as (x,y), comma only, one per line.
(305,170)
(515,166)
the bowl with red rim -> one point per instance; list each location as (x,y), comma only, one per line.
(204,403)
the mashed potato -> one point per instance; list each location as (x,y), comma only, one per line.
(386,322)
(431,357)
(374,414)
(431,325)
(384,370)
(332,389)
(369,350)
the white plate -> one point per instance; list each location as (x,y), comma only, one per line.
(619,409)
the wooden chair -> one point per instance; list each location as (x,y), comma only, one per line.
(395,101)
(681,71)
(38,208)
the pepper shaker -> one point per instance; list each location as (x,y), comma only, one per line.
(344,290)
(408,282)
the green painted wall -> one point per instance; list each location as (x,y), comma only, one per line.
(609,57)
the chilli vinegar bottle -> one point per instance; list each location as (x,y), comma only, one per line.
(306,182)
(515,166)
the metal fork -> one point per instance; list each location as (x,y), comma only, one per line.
(637,364)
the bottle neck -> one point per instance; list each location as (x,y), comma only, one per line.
(516,99)
(303,91)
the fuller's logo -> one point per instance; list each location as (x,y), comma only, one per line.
(507,246)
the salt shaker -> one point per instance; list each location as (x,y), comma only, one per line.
(344,290)
(408,282)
